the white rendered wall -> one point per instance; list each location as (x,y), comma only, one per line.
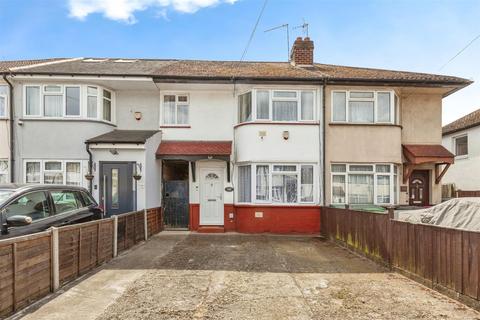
(465,172)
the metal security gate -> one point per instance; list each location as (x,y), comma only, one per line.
(175,202)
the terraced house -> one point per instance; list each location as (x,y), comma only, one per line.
(230,146)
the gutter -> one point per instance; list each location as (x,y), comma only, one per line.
(90,165)
(324,198)
(12,136)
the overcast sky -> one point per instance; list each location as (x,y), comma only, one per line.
(414,35)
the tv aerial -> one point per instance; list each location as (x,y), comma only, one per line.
(285,26)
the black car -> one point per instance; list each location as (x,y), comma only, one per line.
(26,209)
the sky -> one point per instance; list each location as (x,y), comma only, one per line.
(412,35)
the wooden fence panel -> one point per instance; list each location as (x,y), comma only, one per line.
(26,271)
(6,279)
(471,262)
(68,254)
(444,257)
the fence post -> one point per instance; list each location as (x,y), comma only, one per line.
(55,260)
(145,223)
(115,236)
(391,217)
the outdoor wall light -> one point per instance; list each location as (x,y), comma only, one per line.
(89,176)
(286,135)
(137,175)
(113,151)
(138,115)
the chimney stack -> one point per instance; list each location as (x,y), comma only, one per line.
(302,52)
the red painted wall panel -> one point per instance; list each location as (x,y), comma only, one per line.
(276,219)
(194,216)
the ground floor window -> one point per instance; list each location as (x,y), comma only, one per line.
(364,183)
(3,171)
(276,183)
(68,172)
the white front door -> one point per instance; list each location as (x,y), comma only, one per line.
(211,196)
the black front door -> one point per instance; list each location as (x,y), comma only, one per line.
(175,201)
(116,187)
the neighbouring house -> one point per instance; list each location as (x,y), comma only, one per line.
(232,146)
(5,123)
(462,138)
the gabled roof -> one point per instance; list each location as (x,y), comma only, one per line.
(469,121)
(124,136)
(6,66)
(228,70)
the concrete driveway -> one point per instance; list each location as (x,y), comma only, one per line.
(232,276)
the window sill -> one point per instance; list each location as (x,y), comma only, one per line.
(461,157)
(277,205)
(365,124)
(286,123)
(176,126)
(68,119)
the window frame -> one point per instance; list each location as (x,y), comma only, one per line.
(83,101)
(79,101)
(7,107)
(374,99)
(393,174)
(64,170)
(7,172)
(272,98)
(455,138)
(270,165)
(177,103)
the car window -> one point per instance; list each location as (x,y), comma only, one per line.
(33,204)
(4,195)
(65,201)
(87,199)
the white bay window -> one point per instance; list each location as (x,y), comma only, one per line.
(68,101)
(67,172)
(276,105)
(364,184)
(364,107)
(276,183)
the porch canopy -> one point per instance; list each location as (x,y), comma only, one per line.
(417,154)
(195,150)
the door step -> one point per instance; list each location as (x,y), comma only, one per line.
(211,229)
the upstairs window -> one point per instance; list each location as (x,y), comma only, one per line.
(68,101)
(3,101)
(461,146)
(276,105)
(3,106)
(245,107)
(107,105)
(364,106)
(175,109)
